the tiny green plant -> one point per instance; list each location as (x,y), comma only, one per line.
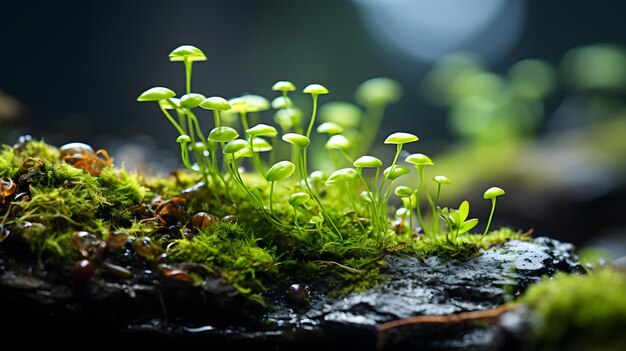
(456,221)
(360,181)
(296,200)
(280,171)
(420,161)
(491,194)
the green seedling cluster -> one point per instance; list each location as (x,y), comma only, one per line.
(352,200)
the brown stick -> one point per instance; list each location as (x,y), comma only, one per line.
(441,319)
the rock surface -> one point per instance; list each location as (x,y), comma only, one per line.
(147,312)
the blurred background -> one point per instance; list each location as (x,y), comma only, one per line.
(526,95)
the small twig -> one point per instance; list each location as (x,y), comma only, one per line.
(349,269)
(440,319)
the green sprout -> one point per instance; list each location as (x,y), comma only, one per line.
(399,139)
(162,94)
(491,194)
(183,140)
(302,142)
(281,102)
(296,200)
(407,195)
(330,128)
(456,221)
(345,176)
(314,90)
(440,180)
(254,134)
(340,143)
(421,161)
(361,163)
(350,130)
(279,171)
(215,104)
(247,104)
(188,54)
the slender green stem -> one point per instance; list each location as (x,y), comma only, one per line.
(235,173)
(435,226)
(383,204)
(256,159)
(308,188)
(356,211)
(188,64)
(404,219)
(172,120)
(372,205)
(244,121)
(419,196)
(196,126)
(184,155)
(216,118)
(182,119)
(295,217)
(346,156)
(272,197)
(308,131)
(493,208)
(410,215)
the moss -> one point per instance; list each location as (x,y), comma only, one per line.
(586,312)
(123,189)
(245,254)
(231,251)
(12,158)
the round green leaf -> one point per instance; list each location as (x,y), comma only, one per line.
(283,85)
(419,160)
(330,128)
(344,114)
(298,140)
(338,142)
(192,53)
(256,103)
(200,147)
(341,176)
(245,152)
(279,171)
(401,138)
(170,104)
(493,192)
(156,94)
(262,130)
(366,197)
(368,162)
(298,199)
(288,117)
(191,100)
(441,179)
(318,177)
(235,145)
(315,89)
(397,172)
(281,102)
(223,134)
(215,103)
(378,91)
(261,145)
(403,191)
(183,139)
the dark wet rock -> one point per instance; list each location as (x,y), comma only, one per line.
(146,309)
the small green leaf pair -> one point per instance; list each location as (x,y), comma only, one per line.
(456,221)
